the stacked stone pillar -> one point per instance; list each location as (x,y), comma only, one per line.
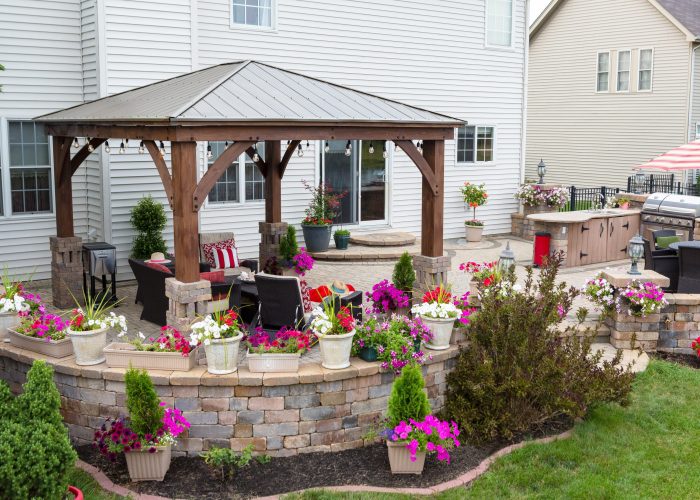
(66,270)
(270,235)
(186,302)
(430,272)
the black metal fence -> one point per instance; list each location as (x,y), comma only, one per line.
(662,183)
(588,198)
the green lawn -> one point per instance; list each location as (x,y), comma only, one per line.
(647,450)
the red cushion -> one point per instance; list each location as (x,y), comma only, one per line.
(208,249)
(159,267)
(320,293)
(213,276)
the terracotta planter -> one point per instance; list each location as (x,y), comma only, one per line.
(89,346)
(123,355)
(625,206)
(54,348)
(441,330)
(7,320)
(273,362)
(335,350)
(145,466)
(473,233)
(400,459)
(222,355)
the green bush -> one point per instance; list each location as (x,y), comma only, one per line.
(145,412)
(149,219)
(408,399)
(288,244)
(36,454)
(227,460)
(404,274)
(519,370)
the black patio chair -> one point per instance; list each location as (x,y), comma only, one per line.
(280,303)
(663,263)
(689,267)
(662,233)
(150,291)
(352,301)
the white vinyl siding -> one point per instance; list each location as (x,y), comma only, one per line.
(603,72)
(645,70)
(499,23)
(624,61)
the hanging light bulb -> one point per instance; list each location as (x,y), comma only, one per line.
(348,149)
(107,148)
(419,145)
(396,148)
(161,146)
(142,148)
(122,149)
(256,156)
(209,153)
(76,143)
(91,148)
(371,148)
(384,153)
(127,142)
(226,144)
(300,151)
(307,144)
(288,142)
(327,147)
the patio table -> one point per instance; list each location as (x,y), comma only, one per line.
(244,295)
(691,244)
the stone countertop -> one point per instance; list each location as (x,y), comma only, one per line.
(580,216)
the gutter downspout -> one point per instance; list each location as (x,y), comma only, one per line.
(526,62)
(691,102)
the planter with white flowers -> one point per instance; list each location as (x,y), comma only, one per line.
(439,313)
(221,335)
(169,351)
(335,331)
(11,303)
(88,328)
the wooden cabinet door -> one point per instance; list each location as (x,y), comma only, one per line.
(586,244)
(598,240)
(617,229)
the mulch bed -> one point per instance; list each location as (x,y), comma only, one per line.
(191,478)
(691,360)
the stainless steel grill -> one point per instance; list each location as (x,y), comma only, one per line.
(671,211)
(99,260)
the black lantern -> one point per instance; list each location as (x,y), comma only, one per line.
(506,259)
(639,181)
(635,249)
(541,170)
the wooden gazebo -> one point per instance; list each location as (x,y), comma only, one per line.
(243,103)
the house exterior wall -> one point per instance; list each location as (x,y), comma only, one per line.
(592,139)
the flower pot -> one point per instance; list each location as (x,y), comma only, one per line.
(417,344)
(473,233)
(124,355)
(341,241)
(54,348)
(316,238)
(75,492)
(7,320)
(289,272)
(335,350)
(146,466)
(88,346)
(222,355)
(273,362)
(368,353)
(625,206)
(441,328)
(400,459)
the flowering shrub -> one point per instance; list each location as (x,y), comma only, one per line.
(328,322)
(394,340)
(438,304)
(431,435)
(475,196)
(599,291)
(302,262)
(641,299)
(485,273)
(557,197)
(33,304)
(474,223)
(386,298)
(44,326)
(218,325)
(285,341)
(169,340)
(324,205)
(532,195)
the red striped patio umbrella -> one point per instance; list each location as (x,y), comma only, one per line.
(686,157)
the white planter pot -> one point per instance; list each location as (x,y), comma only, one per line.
(88,346)
(124,355)
(473,233)
(335,350)
(54,348)
(441,330)
(400,459)
(273,362)
(145,466)
(222,355)
(8,320)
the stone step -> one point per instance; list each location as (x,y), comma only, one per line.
(383,239)
(638,359)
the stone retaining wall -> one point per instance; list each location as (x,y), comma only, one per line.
(281,414)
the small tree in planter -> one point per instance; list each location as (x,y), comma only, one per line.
(288,245)
(147,435)
(475,196)
(322,209)
(404,275)
(149,219)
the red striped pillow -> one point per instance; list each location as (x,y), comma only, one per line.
(226,257)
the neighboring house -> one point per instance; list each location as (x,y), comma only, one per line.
(611,85)
(461,58)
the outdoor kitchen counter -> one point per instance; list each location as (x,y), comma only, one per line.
(589,237)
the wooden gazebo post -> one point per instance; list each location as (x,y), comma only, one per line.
(272,229)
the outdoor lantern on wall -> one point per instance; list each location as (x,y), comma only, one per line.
(541,170)
(639,180)
(635,249)
(506,259)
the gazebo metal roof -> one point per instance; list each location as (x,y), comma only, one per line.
(246,92)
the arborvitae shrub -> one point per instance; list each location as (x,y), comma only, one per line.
(520,370)
(7,401)
(408,399)
(40,399)
(149,219)
(288,244)
(145,412)
(404,275)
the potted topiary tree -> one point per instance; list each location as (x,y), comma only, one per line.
(404,275)
(149,219)
(475,196)
(318,222)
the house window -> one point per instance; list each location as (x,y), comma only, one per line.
(252,13)
(228,189)
(475,144)
(623,71)
(603,72)
(30,168)
(646,64)
(254,180)
(499,23)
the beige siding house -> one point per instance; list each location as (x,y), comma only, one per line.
(612,84)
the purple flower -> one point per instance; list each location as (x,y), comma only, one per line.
(386,298)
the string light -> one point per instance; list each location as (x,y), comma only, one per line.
(226,144)
(127,142)
(256,156)
(384,153)
(307,144)
(107,148)
(142,148)
(348,149)
(327,148)
(162,148)
(122,149)
(396,148)
(91,148)
(371,148)
(76,143)
(300,151)
(209,153)
(419,145)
